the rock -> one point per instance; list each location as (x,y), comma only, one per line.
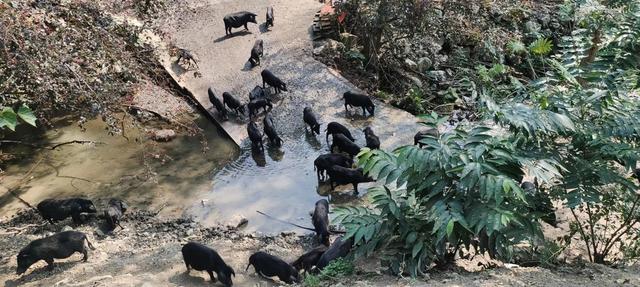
(321,46)
(349,40)
(531,27)
(67,228)
(411,64)
(424,64)
(163,135)
(99,233)
(438,75)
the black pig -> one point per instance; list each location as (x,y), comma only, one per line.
(256,104)
(203,258)
(336,128)
(257,93)
(254,135)
(270,130)
(217,104)
(58,246)
(233,103)
(273,81)
(59,209)
(345,145)
(256,53)
(268,265)
(310,119)
(308,260)
(238,19)
(269,17)
(358,100)
(340,175)
(114,212)
(340,248)
(325,161)
(320,221)
(373,142)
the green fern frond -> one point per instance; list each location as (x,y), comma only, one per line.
(541,47)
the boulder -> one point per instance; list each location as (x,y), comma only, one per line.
(424,64)
(349,40)
(411,64)
(163,135)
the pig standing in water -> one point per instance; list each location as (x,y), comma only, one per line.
(334,128)
(217,104)
(273,81)
(320,221)
(311,119)
(325,161)
(268,265)
(254,135)
(234,104)
(344,145)
(270,130)
(58,246)
(203,258)
(358,100)
(339,175)
(59,209)
(238,19)
(373,142)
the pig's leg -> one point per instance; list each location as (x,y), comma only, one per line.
(49,263)
(213,279)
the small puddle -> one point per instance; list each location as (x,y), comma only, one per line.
(171,177)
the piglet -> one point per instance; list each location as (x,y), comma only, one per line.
(308,260)
(358,100)
(373,142)
(254,135)
(338,249)
(59,209)
(334,128)
(203,258)
(273,81)
(320,221)
(59,246)
(340,175)
(268,265)
(311,119)
(114,212)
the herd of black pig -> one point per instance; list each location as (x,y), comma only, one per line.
(336,166)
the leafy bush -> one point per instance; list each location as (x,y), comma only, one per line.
(460,190)
(584,113)
(576,129)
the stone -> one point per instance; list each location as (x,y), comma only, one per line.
(424,64)
(163,135)
(531,27)
(67,228)
(438,75)
(411,64)
(349,40)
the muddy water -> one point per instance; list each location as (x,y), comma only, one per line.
(160,176)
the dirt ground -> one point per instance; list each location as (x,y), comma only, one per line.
(147,253)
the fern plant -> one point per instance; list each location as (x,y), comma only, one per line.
(586,109)
(459,191)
